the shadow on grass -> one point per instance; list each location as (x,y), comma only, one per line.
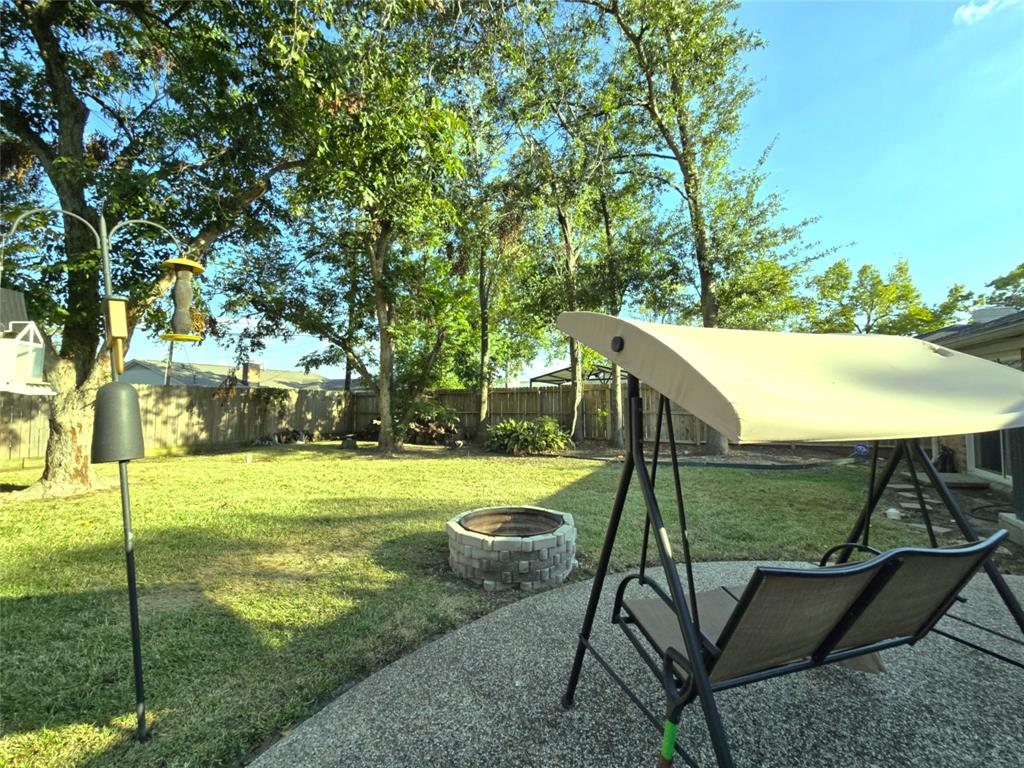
(224,672)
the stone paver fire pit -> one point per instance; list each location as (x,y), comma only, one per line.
(505,547)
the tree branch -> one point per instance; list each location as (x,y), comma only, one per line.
(16,121)
(211,233)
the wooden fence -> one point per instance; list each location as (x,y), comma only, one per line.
(183,418)
(189,418)
(514,403)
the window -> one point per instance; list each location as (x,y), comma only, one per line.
(992,452)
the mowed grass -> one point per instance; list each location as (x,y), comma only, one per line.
(267,584)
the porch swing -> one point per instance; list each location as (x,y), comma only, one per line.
(758,387)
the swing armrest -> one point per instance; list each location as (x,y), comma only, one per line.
(848,545)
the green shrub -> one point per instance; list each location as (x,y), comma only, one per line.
(432,424)
(541,435)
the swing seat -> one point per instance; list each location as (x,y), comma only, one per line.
(788,619)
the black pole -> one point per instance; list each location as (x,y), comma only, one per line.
(874,496)
(968,531)
(920,500)
(681,508)
(654,474)
(871,488)
(141,732)
(599,576)
(694,647)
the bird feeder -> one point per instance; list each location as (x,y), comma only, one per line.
(182,325)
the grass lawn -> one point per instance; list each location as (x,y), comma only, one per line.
(267,585)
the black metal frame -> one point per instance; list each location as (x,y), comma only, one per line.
(681,690)
(911,452)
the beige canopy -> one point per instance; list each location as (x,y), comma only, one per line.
(760,386)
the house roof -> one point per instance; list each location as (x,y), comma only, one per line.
(12,307)
(959,336)
(212,375)
(760,386)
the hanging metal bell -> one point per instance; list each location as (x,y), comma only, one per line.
(117,427)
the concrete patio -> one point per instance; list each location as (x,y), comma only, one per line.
(488,695)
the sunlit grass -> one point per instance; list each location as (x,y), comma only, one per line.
(267,584)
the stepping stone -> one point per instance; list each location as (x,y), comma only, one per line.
(939,530)
(900,487)
(953,480)
(914,506)
(893,514)
(913,497)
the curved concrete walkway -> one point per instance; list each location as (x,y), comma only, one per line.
(488,695)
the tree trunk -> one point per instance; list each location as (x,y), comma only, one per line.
(68,469)
(616,437)
(717,444)
(572,304)
(576,429)
(378,248)
(485,349)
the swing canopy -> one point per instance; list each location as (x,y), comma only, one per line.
(763,386)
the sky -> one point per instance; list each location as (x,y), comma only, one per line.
(899,124)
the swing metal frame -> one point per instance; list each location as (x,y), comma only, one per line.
(700,652)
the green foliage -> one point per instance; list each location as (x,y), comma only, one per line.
(175,112)
(432,424)
(527,436)
(875,304)
(1008,290)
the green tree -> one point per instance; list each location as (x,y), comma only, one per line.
(629,258)
(180,112)
(679,75)
(1008,290)
(506,332)
(871,303)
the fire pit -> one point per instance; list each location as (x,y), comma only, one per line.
(507,547)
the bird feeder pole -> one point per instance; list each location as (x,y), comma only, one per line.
(117,430)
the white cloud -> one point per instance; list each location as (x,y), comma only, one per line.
(974,11)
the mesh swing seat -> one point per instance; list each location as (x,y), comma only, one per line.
(788,619)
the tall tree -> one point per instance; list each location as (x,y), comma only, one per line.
(629,258)
(679,74)
(681,64)
(558,61)
(181,112)
(1008,289)
(871,303)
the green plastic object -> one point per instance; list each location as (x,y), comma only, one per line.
(668,741)
(117,427)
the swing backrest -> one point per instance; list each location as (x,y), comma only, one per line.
(785,614)
(793,614)
(919,592)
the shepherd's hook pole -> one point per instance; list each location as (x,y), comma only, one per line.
(141,732)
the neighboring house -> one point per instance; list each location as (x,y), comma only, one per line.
(209,375)
(21,348)
(997,334)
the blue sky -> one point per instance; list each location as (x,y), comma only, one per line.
(900,124)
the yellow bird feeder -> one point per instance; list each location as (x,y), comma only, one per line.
(182,325)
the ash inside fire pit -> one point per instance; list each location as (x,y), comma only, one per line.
(512,547)
(511,521)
